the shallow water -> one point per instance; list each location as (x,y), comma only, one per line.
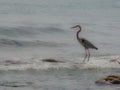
(31,31)
(52,79)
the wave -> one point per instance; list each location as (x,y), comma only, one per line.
(38,64)
(28,43)
(28,36)
(25,31)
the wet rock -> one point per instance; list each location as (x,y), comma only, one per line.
(110,79)
(52,60)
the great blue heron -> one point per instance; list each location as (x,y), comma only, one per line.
(85,43)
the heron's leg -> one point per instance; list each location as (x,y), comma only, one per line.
(88,54)
(85,55)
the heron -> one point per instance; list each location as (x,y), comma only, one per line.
(85,43)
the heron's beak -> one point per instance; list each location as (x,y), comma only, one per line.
(73,27)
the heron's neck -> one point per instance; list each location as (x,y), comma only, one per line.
(77,35)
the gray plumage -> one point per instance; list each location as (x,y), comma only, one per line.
(85,43)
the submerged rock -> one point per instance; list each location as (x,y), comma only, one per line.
(52,60)
(13,62)
(15,84)
(110,79)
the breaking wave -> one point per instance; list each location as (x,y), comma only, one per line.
(109,62)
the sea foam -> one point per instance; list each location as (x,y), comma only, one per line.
(38,64)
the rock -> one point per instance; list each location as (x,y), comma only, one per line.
(110,79)
(51,60)
(115,82)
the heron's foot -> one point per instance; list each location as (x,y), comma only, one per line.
(83,63)
(78,66)
(88,60)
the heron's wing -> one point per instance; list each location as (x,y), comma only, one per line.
(87,44)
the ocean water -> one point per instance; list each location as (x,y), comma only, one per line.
(31,31)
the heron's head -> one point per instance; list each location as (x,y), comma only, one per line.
(78,27)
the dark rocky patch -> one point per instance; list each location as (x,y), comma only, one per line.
(110,79)
(52,61)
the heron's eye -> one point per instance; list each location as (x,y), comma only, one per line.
(83,40)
